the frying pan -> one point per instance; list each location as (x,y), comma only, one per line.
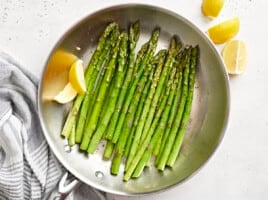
(209,115)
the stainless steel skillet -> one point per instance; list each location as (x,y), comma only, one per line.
(209,115)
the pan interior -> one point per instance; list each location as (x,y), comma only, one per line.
(208,117)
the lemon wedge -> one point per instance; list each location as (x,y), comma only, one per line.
(224,31)
(56,74)
(66,95)
(76,76)
(212,8)
(234,56)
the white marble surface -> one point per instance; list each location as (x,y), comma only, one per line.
(239,168)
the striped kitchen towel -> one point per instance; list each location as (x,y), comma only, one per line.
(28,169)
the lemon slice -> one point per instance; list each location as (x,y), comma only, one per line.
(212,8)
(66,95)
(76,76)
(224,31)
(234,56)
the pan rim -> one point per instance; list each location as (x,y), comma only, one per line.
(168,12)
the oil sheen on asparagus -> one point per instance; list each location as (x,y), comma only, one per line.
(138,101)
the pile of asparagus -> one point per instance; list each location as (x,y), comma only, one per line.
(139,103)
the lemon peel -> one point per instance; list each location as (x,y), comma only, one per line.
(76,76)
(212,8)
(224,31)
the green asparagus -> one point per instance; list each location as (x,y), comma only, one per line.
(71,118)
(93,87)
(180,63)
(147,57)
(120,145)
(176,123)
(92,124)
(108,150)
(71,139)
(173,51)
(140,104)
(112,101)
(161,125)
(137,117)
(186,115)
(161,56)
(149,141)
(132,41)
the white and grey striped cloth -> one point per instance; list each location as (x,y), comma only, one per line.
(28,169)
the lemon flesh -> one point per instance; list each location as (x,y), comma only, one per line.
(66,95)
(76,76)
(224,31)
(212,8)
(234,55)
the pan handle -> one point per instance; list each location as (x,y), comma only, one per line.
(66,187)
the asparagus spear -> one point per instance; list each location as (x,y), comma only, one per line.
(186,115)
(134,34)
(71,118)
(152,137)
(71,139)
(147,57)
(92,124)
(158,145)
(148,85)
(137,117)
(169,104)
(108,150)
(173,50)
(132,81)
(161,59)
(119,78)
(131,135)
(107,96)
(139,168)
(132,41)
(181,62)
(162,127)
(90,100)
(176,123)
(128,122)
(112,126)
(93,87)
